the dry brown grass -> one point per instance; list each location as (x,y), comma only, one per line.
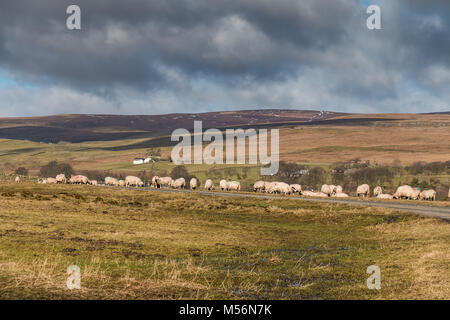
(377,144)
(137,245)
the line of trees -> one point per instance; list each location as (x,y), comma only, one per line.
(355,172)
(54,168)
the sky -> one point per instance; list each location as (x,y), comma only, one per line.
(164,56)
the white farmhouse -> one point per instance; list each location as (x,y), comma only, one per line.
(138,160)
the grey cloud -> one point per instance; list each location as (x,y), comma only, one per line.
(284,53)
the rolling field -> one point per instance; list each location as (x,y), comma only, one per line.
(150,245)
(133,244)
(406,138)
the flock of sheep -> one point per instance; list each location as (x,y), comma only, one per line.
(403,192)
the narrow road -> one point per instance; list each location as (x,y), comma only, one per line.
(423,210)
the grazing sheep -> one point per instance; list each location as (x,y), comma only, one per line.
(193,184)
(51,180)
(415,194)
(223,185)
(17,179)
(165,181)
(155,182)
(284,188)
(110,181)
(209,185)
(122,183)
(233,185)
(272,187)
(406,192)
(333,188)
(328,189)
(296,188)
(308,193)
(428,195)
(385,196)
(363,190)
(378,190)
(340,195)
(133,181)
(338,189)
(61,178)
(94,182)
(82,179)
(259,186)
(78,179)
(321,194)
(448,196)
(315,194)
(179,183)
(402,192)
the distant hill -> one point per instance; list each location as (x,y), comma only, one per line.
(89,127)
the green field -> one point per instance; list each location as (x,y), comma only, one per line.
(133,244)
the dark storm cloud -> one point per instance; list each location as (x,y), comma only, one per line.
(124,42)
(276,53)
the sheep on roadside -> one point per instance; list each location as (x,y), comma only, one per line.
(209,185)
(223,185)
(193,184)
(415,194)
(329,189)
(272,187)
(315,194)
(428,195)
(110,181)
(363,190)
(78,179)
(133,181)
(17,179)
(284,188)
(296,188)
(179,183)
(338,189)
(385,196)
(407,192)
(340,195)
(155,182)
(93,182)
(259,186)
(61,178)
(402,192)
(165,181)
(321,195)
(378,190)
(51,180)
(234,186)
(121,183)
